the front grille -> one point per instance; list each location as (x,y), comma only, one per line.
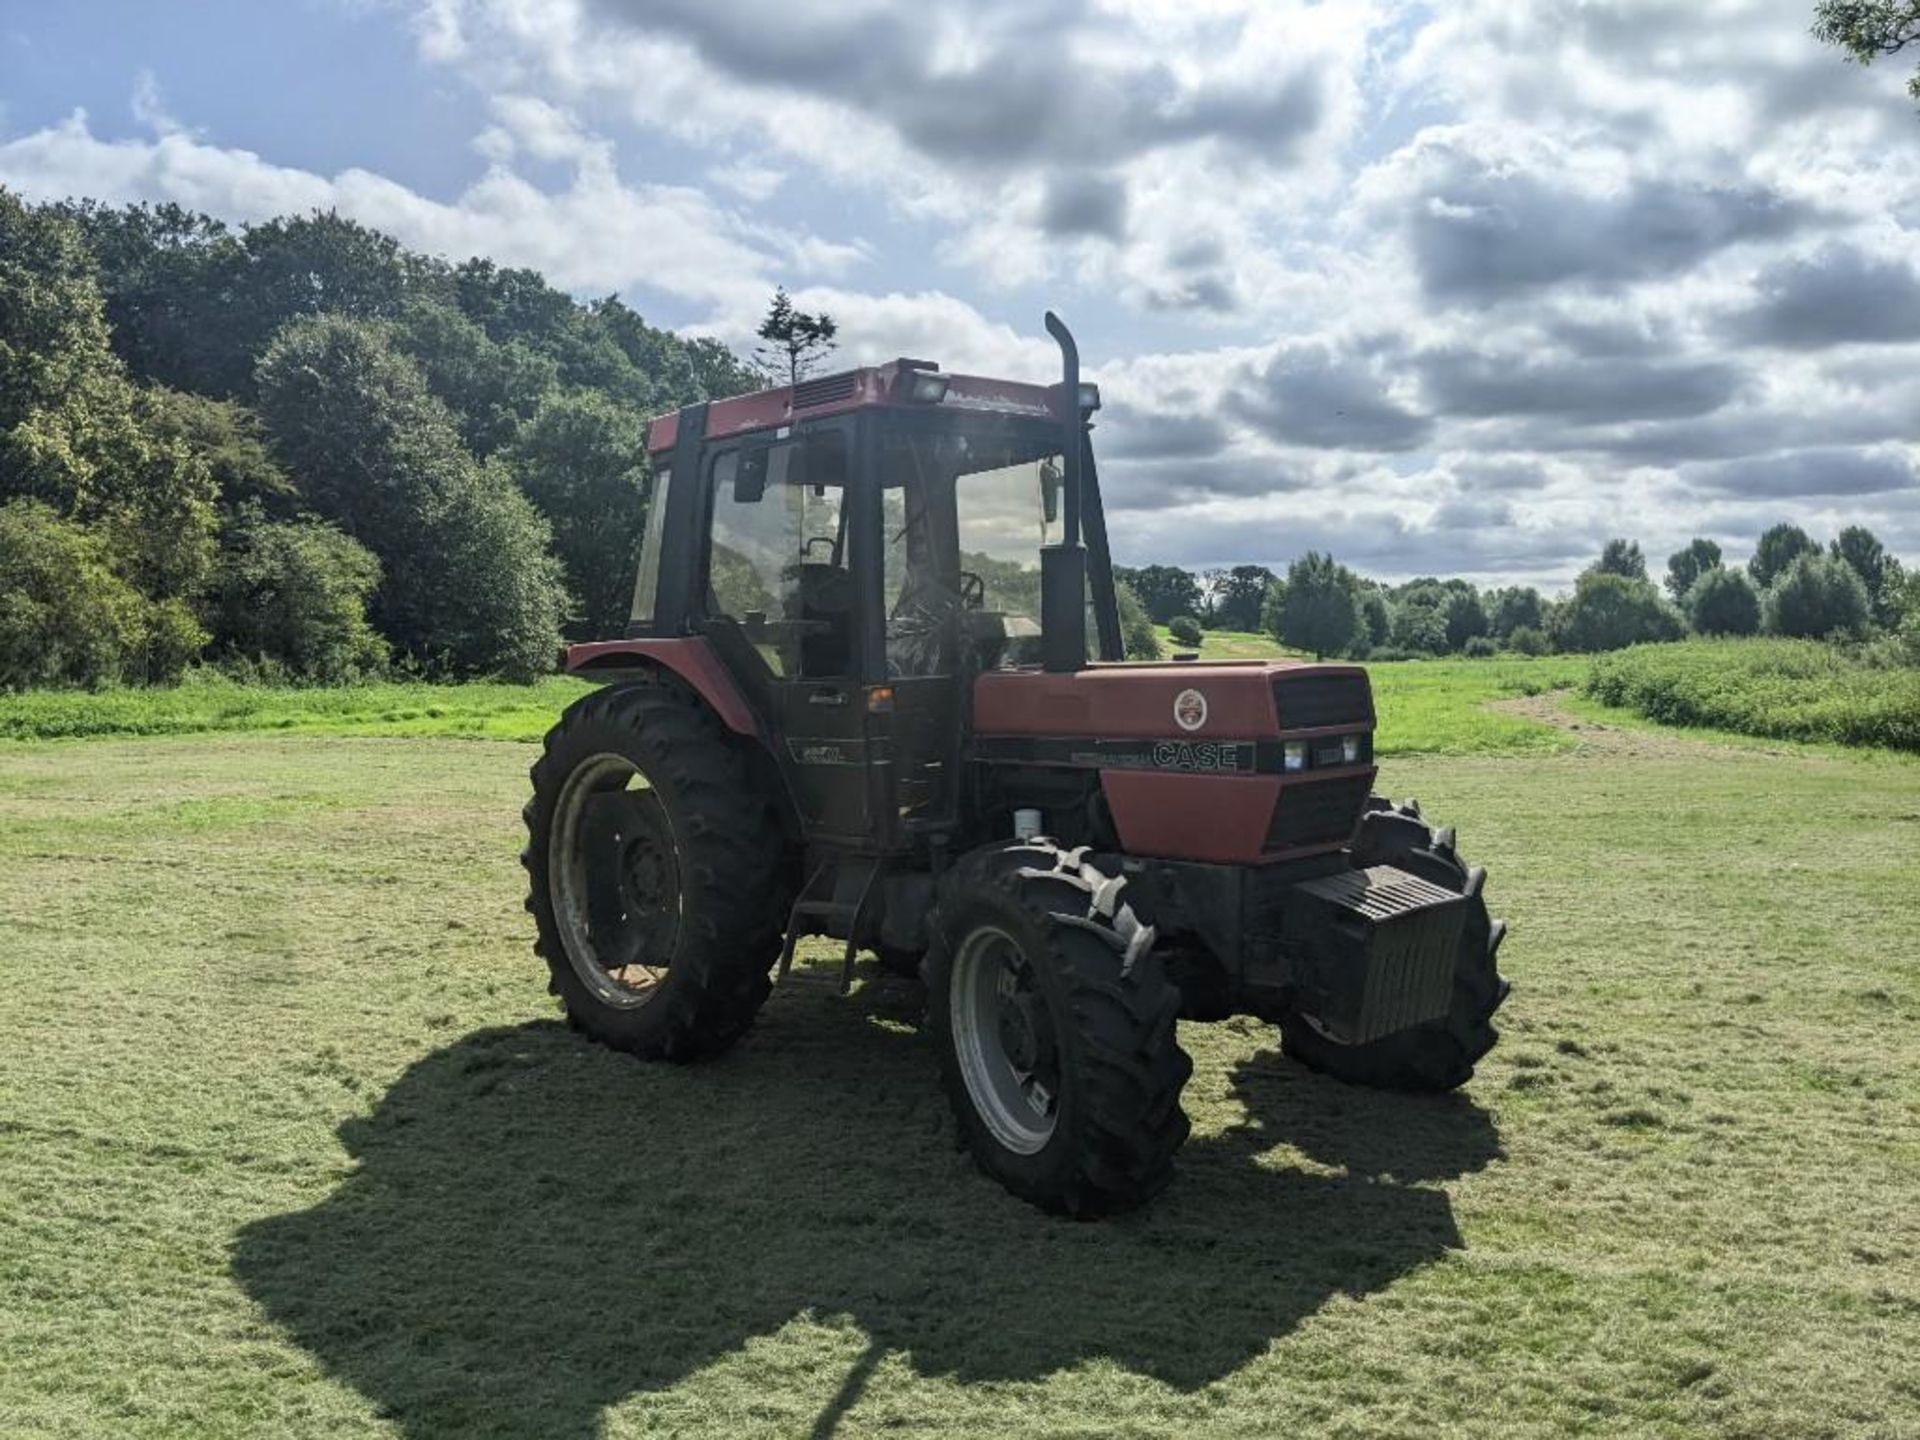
(828,388)
(1308,701)
(1317,812)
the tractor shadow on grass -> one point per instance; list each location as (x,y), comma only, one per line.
(537,1228)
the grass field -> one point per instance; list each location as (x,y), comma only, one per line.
(1432,706)
(1226,645)
(290,1143)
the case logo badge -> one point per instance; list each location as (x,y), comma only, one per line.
(1189,709)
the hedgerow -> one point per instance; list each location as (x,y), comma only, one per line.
(1784,689)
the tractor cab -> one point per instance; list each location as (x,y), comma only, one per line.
(855,550)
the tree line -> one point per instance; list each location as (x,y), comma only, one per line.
(302,451)
(1849,589)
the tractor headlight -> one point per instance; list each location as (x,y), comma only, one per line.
(1349,749)
(1294,755)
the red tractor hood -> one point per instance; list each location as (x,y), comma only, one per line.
(1238,700)
(1190,755)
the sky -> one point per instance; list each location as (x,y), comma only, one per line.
(1457,288)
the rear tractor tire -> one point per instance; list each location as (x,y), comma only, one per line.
(658,873)
(1055,1024)
(1441,1054)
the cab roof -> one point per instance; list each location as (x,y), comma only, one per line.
(871,387)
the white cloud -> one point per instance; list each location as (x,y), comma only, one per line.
(1459,288)
(149,106)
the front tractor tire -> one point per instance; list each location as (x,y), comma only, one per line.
(1441,1054)
(658,875)
(1055,1025)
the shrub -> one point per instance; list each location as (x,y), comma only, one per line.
(1419,628)
(1480,647)
(1527,640)
(1818,596)
(1723,602)
(170,638)
(1138,639)
(1789,689)
(1611,612)
(291,600)
(1185,630)
(65,617)
(1390,654)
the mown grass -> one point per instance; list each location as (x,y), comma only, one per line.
(1441,707)
(1425,707)
(1781,689)
(1226,645)
(291,1144)
(208,702)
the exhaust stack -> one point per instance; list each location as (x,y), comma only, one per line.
(1063,567)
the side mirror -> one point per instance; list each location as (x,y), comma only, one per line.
(1049,491)
(750,478)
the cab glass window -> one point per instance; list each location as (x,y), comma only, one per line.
(777,561)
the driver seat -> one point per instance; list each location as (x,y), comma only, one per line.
(824,595)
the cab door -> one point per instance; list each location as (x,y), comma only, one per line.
(782,604)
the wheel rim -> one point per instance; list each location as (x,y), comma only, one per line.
(1004,1038)
(614,880)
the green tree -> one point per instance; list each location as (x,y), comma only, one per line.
(1465,618)
(1723,602)
(1779,547)
(227,438)
(470,583)
(1880,572)
(1516,608)
(1138,638)
(1870,30)
(1688,564)
(1419,626)
(1622,557)
(492,388)
(1166,590)
(294,595)
(1185,630)
(1234,597)
(682,370)
(582,460)
(794,341)
(1320,610)
(72,431)
(1609,611)
(172,280)
(1376,616)
(1819,596)
(65,617)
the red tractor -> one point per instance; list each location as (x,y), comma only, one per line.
(857,699)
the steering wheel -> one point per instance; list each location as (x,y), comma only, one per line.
(973,591)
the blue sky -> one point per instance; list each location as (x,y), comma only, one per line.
(1458,289)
